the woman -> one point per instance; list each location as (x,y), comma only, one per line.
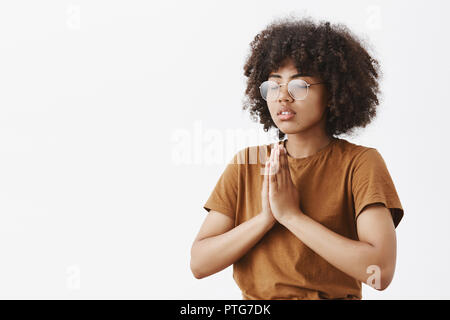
(318,217)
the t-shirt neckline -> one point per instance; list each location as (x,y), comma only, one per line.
(313,156)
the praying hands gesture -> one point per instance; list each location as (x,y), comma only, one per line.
(279,192)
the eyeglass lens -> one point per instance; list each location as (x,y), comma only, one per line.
(297,88)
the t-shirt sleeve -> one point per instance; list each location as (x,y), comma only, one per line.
(372,183)
(224,196)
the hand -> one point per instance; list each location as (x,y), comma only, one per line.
(283,195)
(266,210)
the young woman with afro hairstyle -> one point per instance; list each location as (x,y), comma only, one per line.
(312,216)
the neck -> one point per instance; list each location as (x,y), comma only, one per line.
(301,145)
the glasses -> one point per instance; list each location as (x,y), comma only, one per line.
(297,88)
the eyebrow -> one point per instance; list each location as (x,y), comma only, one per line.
(291,77)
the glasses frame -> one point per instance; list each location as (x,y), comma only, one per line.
(287,83)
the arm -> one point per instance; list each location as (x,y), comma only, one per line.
(374,251)
(217,235)
(376,245)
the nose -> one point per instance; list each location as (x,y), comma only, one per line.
(284,93)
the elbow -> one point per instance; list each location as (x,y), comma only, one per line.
(383,285)
(381,269)
(381,279)
(196,272)
(386,279)
(387,274)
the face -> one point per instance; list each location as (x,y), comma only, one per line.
(309,114)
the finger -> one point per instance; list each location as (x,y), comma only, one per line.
(266,167)
(281,174)
(264,173)
(284,163)
(277,160)
(265,188)
(271,161)
(287,170)
(272,153)
(272,180)
(265,185)
(276,168)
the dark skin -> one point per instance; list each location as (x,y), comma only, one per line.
(376,244)
(306,130)
(377,240)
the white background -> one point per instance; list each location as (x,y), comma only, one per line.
(98,198)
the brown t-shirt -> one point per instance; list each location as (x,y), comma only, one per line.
(334,185)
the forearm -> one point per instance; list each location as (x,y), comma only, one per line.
(214,254)
(352,257)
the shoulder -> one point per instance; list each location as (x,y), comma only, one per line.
(356,153)
(364,162)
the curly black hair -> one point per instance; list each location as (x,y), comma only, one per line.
(330,52)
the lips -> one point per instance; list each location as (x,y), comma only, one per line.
(285,109)
(285,116)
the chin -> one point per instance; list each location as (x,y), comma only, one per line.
(290,130)
(289,127)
